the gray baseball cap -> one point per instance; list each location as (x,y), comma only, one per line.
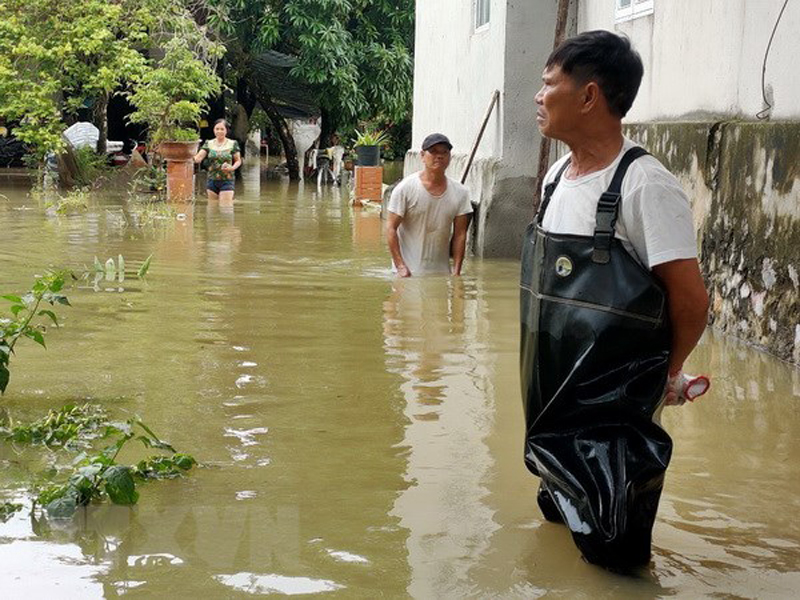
(436,138)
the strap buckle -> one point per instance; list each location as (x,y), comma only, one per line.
(606,219)
(601,253)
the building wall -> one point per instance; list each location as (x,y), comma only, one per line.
(744,181)
(704,59)
(456,70)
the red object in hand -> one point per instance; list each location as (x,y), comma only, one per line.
(695,386)
(682,387)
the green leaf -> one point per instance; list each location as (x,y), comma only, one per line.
(63,507)
(120,486)
(121,268)
(145,267)
(12,298)
(97,266)
(123,427)
(57,283)
(153,441)
(7,509)
(36,336)
(50,314)
(61,300)
(16,309)
(184,461)
(110,269)
(5,375)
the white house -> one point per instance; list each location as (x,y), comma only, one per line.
(719,105)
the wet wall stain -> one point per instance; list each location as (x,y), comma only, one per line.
(750,230)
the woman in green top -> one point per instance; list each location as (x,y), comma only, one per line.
(224,158)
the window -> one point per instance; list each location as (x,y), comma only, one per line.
(625,10)
(481,13)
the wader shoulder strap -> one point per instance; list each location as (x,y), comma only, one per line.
(608,208)
(548,191)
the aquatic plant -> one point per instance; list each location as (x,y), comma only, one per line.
(95,474)
(152,178)
(154,211)
(70,426)
(114,271)
(27,320)
(7,509)
(76,200)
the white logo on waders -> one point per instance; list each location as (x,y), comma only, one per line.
(563,266)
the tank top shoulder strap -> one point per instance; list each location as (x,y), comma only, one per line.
(549,189)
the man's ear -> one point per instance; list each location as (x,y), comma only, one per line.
(590,97)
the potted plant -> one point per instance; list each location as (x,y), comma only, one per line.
(170,98)
(368,147)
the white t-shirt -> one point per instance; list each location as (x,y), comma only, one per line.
(655,218)
(427,226)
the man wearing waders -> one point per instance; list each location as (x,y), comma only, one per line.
(612,303)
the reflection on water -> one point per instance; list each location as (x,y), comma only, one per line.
(361,436)
(434,332)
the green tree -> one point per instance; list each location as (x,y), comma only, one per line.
(170,95)
(57,56)
(356,55)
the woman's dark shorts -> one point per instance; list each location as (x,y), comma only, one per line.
(219,185)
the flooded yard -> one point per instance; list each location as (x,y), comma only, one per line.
(359,436)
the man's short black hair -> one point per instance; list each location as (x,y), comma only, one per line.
(605,58)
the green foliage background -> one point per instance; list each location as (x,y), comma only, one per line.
(56,56)
(357,54)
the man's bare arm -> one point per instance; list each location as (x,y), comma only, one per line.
(392,223)
(687,300)
(460,226)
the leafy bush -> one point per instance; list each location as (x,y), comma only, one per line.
(89,166)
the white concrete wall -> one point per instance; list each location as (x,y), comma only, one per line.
(455,72)
(530,29)
(704,58)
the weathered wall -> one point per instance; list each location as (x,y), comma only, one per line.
(706,57)
(744,182)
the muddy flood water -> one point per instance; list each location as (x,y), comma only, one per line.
(359,436)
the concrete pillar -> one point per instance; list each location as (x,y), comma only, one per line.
(180,169)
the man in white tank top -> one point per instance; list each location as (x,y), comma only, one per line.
(426,209)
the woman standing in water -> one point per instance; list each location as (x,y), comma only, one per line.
(224,158)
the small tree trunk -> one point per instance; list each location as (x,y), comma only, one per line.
(241,127)
(285,135)
(328,129)
(100,118)
(67,166)
(280,126)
